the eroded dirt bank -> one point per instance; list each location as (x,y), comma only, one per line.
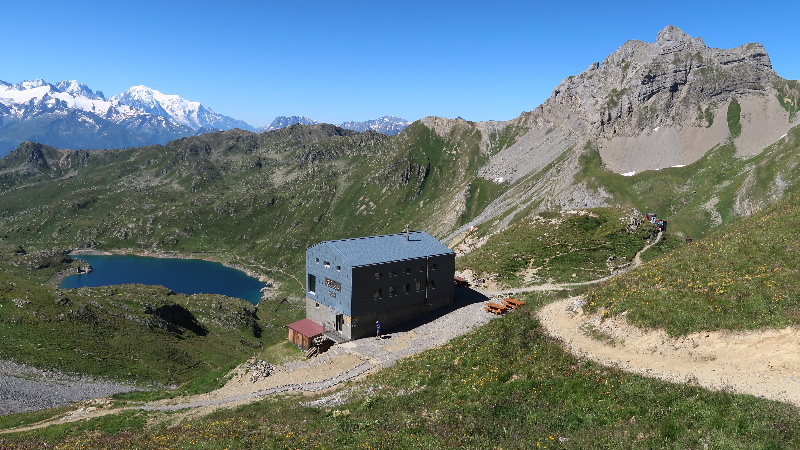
(764,363)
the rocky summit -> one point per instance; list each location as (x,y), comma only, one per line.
(655,105)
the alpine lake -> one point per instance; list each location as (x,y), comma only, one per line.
(184,276)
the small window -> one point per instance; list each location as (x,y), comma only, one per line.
(432,284)
(407,289)
(327,264)
(421,269)
(392,291)
(338,268)
(378,294)
(419,286)
(407,270)
(393,273)
(378,274)
(432,266)
(317,260)
(312,284)
(317,306)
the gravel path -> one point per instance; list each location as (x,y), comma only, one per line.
(25,388)
(429,331)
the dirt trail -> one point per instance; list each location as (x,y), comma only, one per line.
(637,261)
(764,363)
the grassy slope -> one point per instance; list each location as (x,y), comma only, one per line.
(745,276)
(562,248)
(137,333)
(258,200)
(506,385)
(704,415)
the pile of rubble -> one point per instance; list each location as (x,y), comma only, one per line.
(260,369)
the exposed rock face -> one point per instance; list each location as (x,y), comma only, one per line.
(654,105)
(642,86)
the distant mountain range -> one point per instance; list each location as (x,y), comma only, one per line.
(388,125)
(69,114)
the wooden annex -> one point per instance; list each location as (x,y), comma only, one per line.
(303,332)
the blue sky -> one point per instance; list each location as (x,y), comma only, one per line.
(339,60)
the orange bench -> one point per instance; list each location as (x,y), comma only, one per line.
(513,303)
(495,308)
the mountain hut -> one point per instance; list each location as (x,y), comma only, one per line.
(353,283)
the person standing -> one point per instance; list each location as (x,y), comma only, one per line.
(377,329)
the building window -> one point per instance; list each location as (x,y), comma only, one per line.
(393,273)
(419,286)
(312,284)
(407,270)
(432,284)
(378,274)
(316,305)
(421,269)
(317,260)
(378,294)
(338,268)
(407,289)
(432,266)
(392,291)
(327,264)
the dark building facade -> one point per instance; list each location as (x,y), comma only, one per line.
(352,283)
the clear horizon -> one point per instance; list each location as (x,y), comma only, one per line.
(359,60)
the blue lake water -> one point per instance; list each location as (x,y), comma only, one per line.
(185,276)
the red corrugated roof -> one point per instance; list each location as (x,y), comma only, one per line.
(307,327)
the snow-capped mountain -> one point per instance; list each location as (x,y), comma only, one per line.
(389,125)
(69,114)
(34,97)
(191,114)
(284,121)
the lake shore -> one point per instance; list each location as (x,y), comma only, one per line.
(270,283)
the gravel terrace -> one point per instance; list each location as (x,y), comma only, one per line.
(25,388)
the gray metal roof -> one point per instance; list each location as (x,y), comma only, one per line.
(370,250)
